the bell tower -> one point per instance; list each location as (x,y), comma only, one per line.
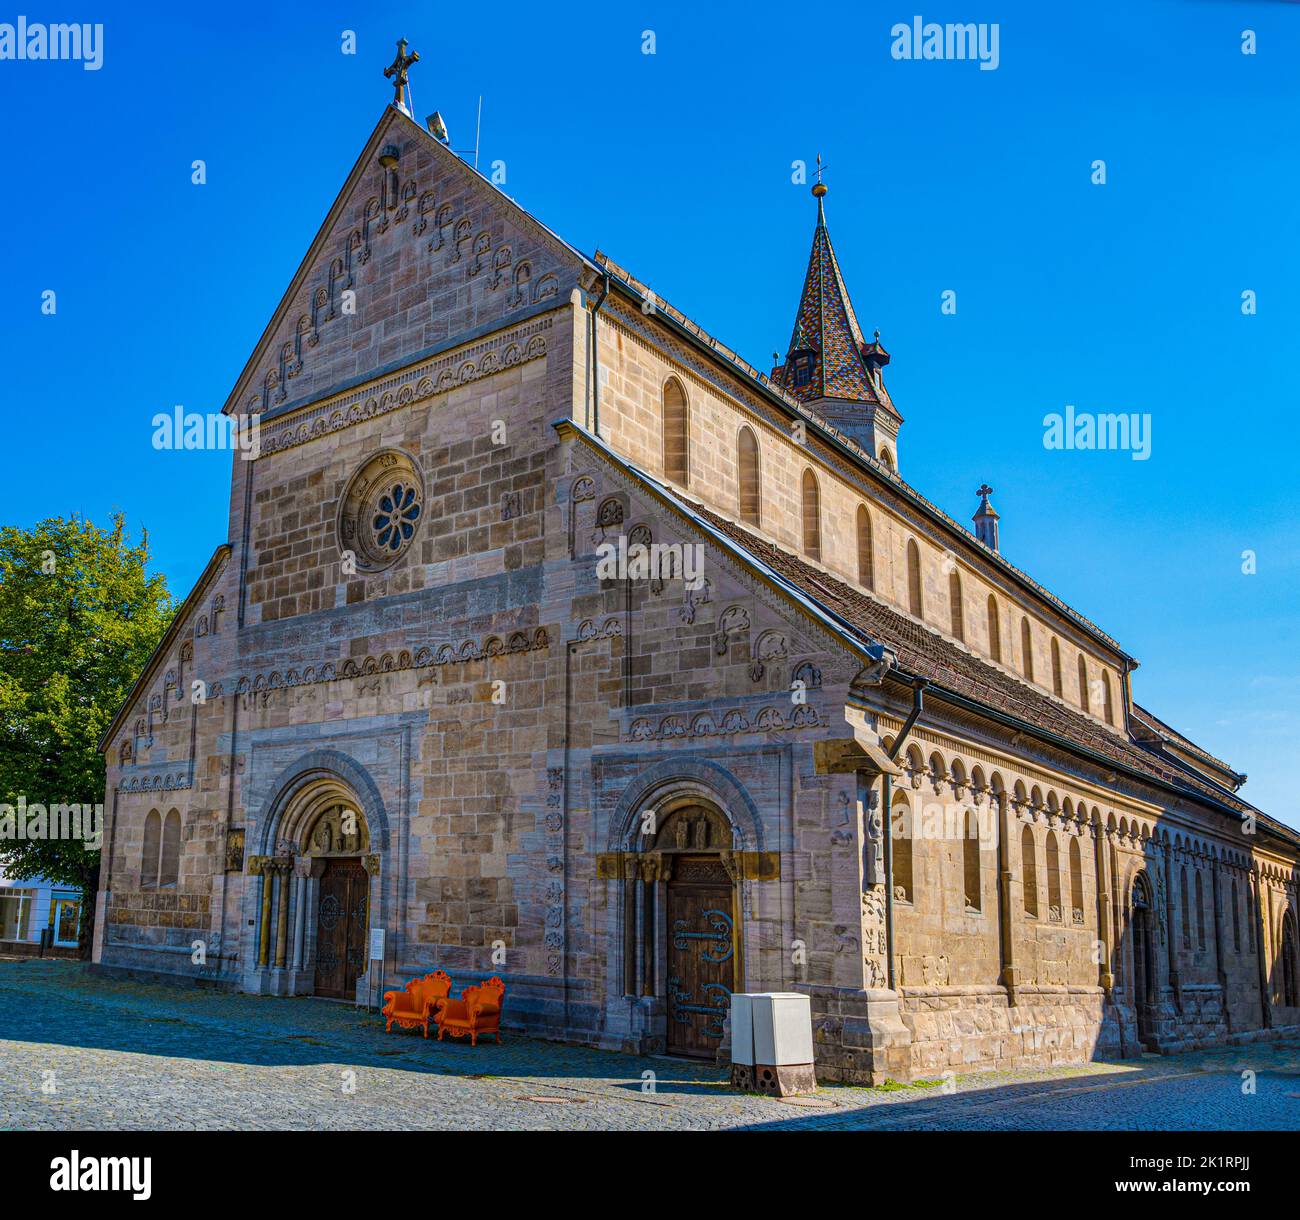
(829,365)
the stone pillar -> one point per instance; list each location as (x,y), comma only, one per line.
(282,914)
(1006,896)
(1171,927)
(629,887)
(299,914)
(264,927)
(1104,925)
(1219,965)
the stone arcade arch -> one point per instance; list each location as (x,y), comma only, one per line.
(318,890)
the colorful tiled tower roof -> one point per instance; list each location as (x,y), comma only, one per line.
(829,365)
(839,361)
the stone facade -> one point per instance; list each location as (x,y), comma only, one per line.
(406,695)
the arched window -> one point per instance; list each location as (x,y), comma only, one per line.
(901,832)
(1083,683)
(1076,882)
(1250,918)
(1200,912)
(970,859)
(995,630)
(1029,872)
(170,861)
(1026,649)
(866,550)
(1108,705)
(152,843)
(747,461)
(1187,911)
(914,578)
(676,423)
(886,458)
(812,516)
(955,606)
(1057,685)
(1052,857)
(1236,920)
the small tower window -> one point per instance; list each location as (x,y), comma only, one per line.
(803,370)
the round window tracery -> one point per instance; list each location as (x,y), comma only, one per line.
(381,510)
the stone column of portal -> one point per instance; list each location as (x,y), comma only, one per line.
(282,914)
(1104,977)
(264,930)
(299,914)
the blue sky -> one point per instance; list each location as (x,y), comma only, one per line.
(1117,298)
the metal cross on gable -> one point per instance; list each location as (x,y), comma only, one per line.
(397,70)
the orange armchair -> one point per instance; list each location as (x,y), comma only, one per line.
(478,1011)
(419,1003)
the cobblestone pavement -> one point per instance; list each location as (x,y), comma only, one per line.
(82,1052)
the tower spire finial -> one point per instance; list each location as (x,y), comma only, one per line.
(819,187)
(397,72)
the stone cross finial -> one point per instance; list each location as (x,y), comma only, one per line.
(397,71)
(984,490)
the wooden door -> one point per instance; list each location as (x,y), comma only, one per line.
(1143,976)
(341,927)
(701,955)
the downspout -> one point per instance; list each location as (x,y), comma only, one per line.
(595,359)
(887,798)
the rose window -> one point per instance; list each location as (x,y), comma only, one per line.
(380,512)
(394,523)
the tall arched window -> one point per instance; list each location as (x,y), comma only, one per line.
(812,516)
(1058,686)
(886,458)
(1076,882)
(914,578)
(1187,911)
(1052,857)
(170,859)
(1108,705)
(1029,872)
(676,422)
(747,462)
(152,844)
(955,606)
(1289,990)
(1083,683)
(995,630)
(970,859)
(1236,920)
(901,831)
(1026,649)
(866,550)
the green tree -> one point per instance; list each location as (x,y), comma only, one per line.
(79,617)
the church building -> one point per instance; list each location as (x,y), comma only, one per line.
(549,639)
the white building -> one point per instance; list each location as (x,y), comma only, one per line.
(27,907)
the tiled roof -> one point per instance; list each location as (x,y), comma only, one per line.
(1161,729)
(826,324)
(927,654)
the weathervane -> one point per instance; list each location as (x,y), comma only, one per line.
(819,188)
(397,71)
